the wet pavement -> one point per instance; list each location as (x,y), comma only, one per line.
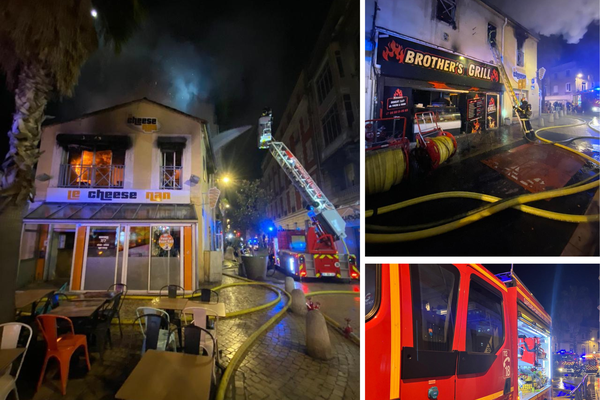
(276,367)
(509,232)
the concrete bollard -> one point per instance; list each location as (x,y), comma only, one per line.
(298,302)
(289,284)
(555,115)
(542,122)
(318,344)
(229,256)
(550,118)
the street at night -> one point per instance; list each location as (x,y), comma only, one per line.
(482,141)
(180,200)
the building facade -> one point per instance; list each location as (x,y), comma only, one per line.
(435,55)
(566,83)
(320,126)
(122,197)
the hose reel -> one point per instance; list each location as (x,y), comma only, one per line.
(432,151)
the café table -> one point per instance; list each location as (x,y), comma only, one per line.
(77,309)
(29,296)
(166,375)
(8,356)
(94,296)
(171,304)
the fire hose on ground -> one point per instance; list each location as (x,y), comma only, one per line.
(456,222)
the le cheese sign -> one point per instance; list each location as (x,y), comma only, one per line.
(402,58)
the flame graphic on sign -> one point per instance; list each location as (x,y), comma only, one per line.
(398,93)
(395,50)
(494,76)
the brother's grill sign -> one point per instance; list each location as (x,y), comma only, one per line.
(402,58)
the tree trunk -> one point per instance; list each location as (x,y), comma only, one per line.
(17,175)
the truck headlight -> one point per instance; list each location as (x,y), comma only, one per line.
(595,109)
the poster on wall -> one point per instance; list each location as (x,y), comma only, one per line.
(475,113)
(397,101)
(491,111)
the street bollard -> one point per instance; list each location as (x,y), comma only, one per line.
(298,302)
(555,115)
(550,118)
(229,256)
(289,284)
(542,122)
(318,344)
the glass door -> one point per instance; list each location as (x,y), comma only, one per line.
(138,257)
(165,260)
(101,259)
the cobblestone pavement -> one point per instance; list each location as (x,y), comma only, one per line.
(277,366)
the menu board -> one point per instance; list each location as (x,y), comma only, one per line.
(491,111)
(475,113)
(397,101)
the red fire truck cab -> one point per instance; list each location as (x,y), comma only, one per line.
(305,255)
(454,332)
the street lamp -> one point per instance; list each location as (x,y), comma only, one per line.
(94,13)
(580,75)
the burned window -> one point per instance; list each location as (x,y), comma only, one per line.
(521,37)
(446,11)
(324,83)
(340,64)
(492,34)
(348,109)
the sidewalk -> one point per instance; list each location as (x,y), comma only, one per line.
(276,367)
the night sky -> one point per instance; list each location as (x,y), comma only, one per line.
(547,281)
(239,55)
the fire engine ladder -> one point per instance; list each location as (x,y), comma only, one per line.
(506,81)
(300,177)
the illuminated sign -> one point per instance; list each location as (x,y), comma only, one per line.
(144,124)
(403,58)
(117,196)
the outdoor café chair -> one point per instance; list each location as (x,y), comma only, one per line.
(171,291)
(204,295)
(155,337)
(97,327)
(11,333)
(199,315)
(60,347)
(164,335)
(119,288)
(193,343)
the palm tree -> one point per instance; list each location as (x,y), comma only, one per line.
(43,45)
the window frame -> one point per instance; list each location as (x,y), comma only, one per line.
(331,119)
(487,286)
(377,301)
(324,82)
(568,87)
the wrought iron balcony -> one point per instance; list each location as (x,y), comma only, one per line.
(91,176)
(170,177)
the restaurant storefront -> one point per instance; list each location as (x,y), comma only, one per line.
(95,242)
(463,93)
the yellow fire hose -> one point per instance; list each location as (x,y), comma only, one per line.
(514,203)
(384,169)
(445,147)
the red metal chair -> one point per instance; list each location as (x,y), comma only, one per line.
(60,347)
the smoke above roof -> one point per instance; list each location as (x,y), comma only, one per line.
(553,17)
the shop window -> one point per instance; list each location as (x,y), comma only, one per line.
(348,109)
(446,11)
(171,169)
(324,83)
(485,324)
(373,291)
(434,296)
(92,167)
(331,125)
(568,87)
(340,65)
(492,34)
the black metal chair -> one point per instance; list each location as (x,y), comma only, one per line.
(192,340)
(97,327)
(204,296)
(119,288)
(151,325)
(171,291)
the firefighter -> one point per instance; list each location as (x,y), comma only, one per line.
(524,111)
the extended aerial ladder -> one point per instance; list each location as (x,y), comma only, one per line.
(320,257)
(522,114)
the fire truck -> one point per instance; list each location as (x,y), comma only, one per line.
(313,253)
(590,363)
(454,332)
(567,363)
